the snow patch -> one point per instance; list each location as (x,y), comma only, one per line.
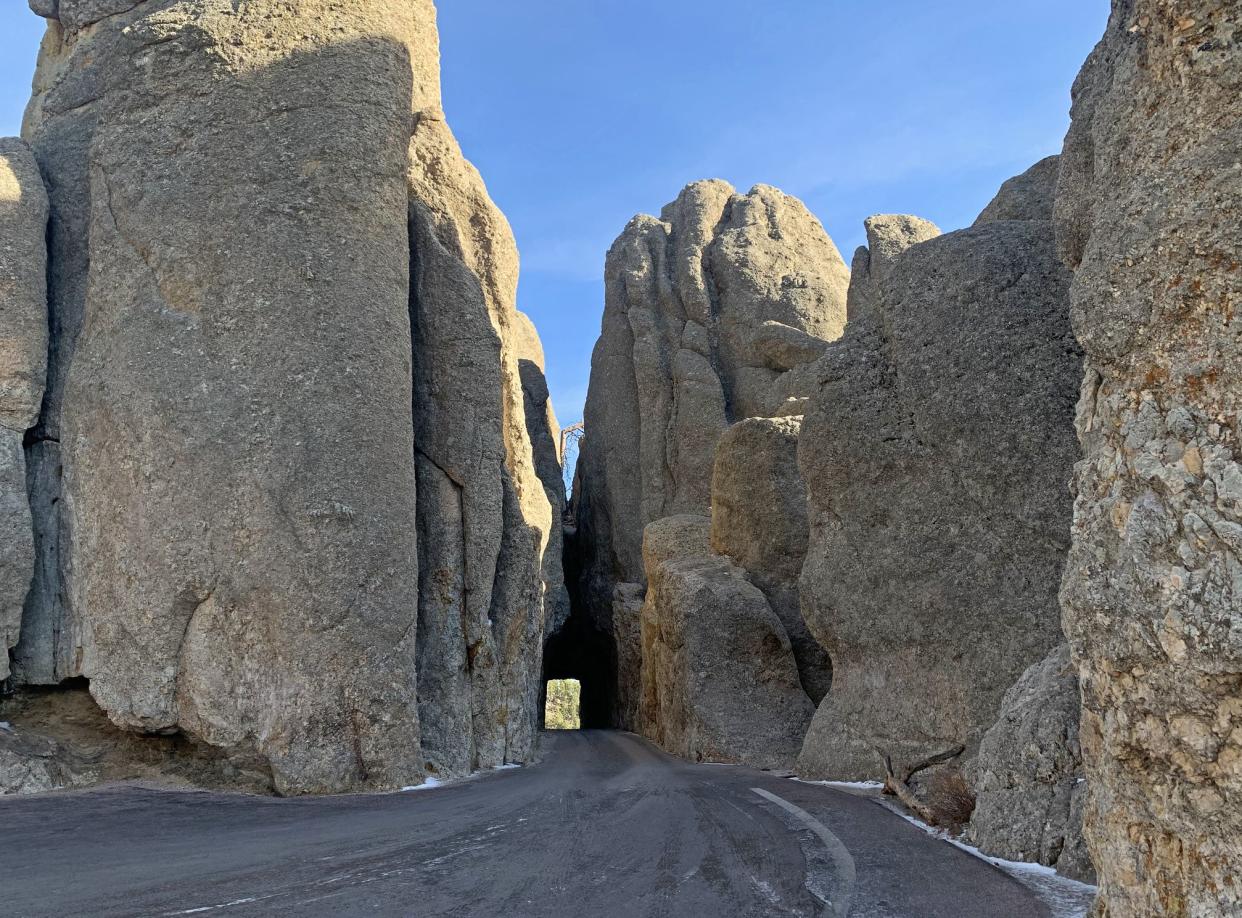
(847,785)
(1064,897)
(426,785)
(506,767)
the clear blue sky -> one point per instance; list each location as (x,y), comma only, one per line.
(582,113)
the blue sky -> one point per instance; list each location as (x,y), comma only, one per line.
(582,113)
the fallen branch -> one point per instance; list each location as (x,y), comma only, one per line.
(899,788)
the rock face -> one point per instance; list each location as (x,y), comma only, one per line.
(1149,216)
(936,455)
(1028,777)
(719,680)
(273,277)
(710,313)
(23,368)
(759,522)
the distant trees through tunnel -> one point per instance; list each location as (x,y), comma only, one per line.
(561,709)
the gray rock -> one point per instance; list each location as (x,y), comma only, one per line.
(1028,196)
(236,386)
(710,313)
(888,235)
(1028,777)
(23,370)
(719,681)
(759,522)
(936,456)
(545,438)
(1149,215)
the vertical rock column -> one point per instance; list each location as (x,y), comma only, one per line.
(484,517)
(23,369)
(231,373)
(1149,212)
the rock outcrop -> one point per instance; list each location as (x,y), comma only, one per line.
(936,455)
(23,368)
(284,393)
(1028,777)
(1149,216)
(759,522)
(711,313)
(719,680)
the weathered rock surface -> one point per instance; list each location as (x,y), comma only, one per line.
(1149,214)
(1028,776)
(273,277)
(486,519)
(759,522)
(545,438)
(709,311)
(936,455)
(719,680)
(23,369)
(888,235)
(1028,196)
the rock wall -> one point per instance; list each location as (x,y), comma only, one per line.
(710,313)
(23,369)
(1149,215)
(1028,777)
(759,522)
(719,679)
(272,278)
(936,455)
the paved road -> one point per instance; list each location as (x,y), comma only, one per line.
(605,826)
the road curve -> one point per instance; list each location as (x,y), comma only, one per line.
(606,825)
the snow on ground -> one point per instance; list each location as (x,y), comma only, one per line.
(426,785)
(1064,897)
(846,785)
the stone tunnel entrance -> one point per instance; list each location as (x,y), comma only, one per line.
(579,651)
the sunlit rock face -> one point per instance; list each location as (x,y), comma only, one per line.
(1149,216)
(712,313)
(282,458)
(937,453)
(23,369)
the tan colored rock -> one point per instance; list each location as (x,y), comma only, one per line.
(759,522)
(711,311)
(273,276)
(888,235)
(936,455)
(23,370)
(1149,214)
(719,681)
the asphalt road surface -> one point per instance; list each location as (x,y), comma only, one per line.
(605,825)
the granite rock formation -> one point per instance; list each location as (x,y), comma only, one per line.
(23,368)
(719,680)
(272,277)
(936,455)
(1149,216)
(711,314)
(1028,777)
(759,522)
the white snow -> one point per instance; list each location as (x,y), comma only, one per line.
(846,785)
(505,767)
(1064,897)
(6,726)
(426,785)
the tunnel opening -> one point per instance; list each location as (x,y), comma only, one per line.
(562,704)
(582,653)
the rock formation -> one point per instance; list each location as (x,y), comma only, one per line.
(711,313)
(23,369)
(719,681)
(1028,777)
(284,392)
(936,454)
(1149,216)
(759,522)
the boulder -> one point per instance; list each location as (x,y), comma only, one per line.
(759,522)
(719,680)
(1149,216)
(273,276)
(1028,196)
(936,455)
(23,369)
(1028,777)
(710,314)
